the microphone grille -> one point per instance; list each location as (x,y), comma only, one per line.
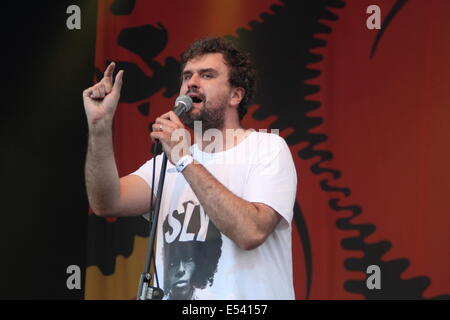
(186,101)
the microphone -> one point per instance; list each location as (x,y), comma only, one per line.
(182,104)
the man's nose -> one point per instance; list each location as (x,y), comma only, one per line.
(194,81)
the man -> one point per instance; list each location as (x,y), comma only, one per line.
(244,186)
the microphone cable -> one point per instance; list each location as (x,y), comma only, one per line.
(152,213)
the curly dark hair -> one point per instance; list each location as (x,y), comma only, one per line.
(242,72)
(205,255)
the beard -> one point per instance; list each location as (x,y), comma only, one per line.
(211,117)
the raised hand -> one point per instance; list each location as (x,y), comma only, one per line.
(100,101)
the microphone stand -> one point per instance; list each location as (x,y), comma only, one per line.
(145,291)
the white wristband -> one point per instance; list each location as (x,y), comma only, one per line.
(183,163)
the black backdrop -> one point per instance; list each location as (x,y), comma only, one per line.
(44,69)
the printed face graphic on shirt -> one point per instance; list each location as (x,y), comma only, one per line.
(181,270)
(192,248)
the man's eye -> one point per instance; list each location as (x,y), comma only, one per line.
(186,77)
(207,76)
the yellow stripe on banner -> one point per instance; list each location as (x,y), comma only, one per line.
(123,283)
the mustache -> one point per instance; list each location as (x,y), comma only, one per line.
(195,90)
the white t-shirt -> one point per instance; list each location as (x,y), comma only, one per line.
(192,253)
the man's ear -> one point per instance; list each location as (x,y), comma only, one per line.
(237,94)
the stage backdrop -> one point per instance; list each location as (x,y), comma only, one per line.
(365,113)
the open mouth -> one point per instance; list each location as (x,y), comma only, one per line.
(196,98)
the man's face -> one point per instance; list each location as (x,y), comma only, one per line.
(205,80)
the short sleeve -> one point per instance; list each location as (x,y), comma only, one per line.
(272,179)
(146,172)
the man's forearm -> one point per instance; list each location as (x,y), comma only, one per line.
(102,178)
(233,216)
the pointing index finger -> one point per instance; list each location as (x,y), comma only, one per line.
(109,70)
